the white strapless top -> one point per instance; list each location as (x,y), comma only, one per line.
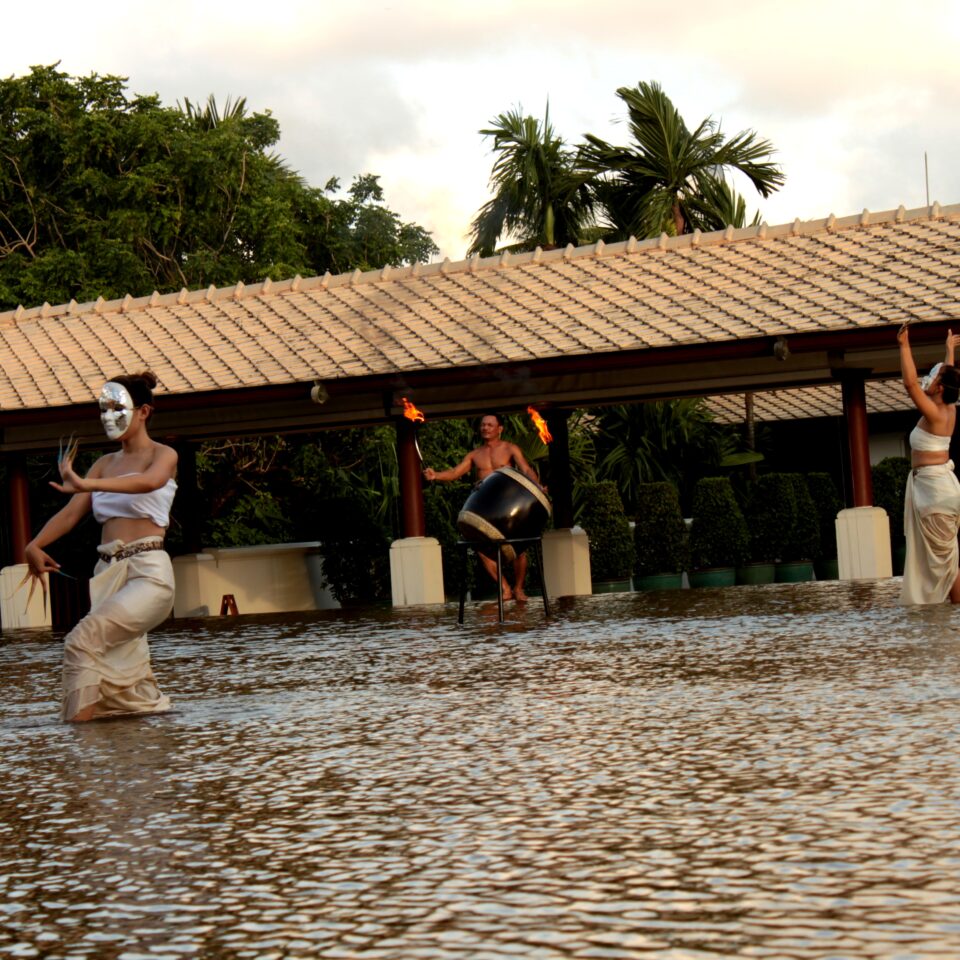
(153,506)
(926,442)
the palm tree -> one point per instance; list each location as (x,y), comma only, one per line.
(538,197)
(670,179)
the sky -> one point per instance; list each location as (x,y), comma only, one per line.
(851,94)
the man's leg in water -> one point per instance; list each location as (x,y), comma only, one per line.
(519,577)
(490,565)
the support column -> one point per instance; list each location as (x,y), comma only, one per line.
(863,531)
(855,414)
(412,523)
(416,568)
(19,507)
(566,549)
(561,482)
(15,612)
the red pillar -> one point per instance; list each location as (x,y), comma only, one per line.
(412,523)
(19,507)
(561,482)
(855,414)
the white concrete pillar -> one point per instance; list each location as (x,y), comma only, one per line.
(15,612)
(566,562)
(416,571)
(863,544)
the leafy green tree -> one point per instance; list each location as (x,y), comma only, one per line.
(104,193)
(669,178)
(539,199)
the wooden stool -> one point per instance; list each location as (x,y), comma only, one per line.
(228,606)
(535,543)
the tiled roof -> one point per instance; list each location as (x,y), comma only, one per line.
(800,403)
(820,276)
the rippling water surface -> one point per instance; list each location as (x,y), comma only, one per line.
(749,772)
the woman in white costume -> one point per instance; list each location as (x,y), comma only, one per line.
(931,516)
(106,664)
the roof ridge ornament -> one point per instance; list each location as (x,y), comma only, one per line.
(238,290)
(795,228)
(632,244)
(935,210)
(568,251)
(125,305)
(504,258)
(663,241)
(266,286)
(98,305)
(830,223)
(155,298)
(19,312)
(598,247)
(211,293)
(445,266)
(728,233)
(474,263)
(295,283)
(901,214)
(762,230)
(182,296)
(537,254)
(865,218)
(325,280)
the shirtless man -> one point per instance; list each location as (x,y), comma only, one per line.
(492,454)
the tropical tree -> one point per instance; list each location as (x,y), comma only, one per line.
(670,179)
(673,440)
(539,198)
(104,193)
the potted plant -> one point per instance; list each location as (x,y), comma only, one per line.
(612,552)
(660,538)
(889,487)
(718,537)
(770,513)
(803,540)
(828,504)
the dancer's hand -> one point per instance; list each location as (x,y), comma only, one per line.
(903,334)
(39,560)
(71,481)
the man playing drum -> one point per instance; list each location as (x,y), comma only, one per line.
(492,454)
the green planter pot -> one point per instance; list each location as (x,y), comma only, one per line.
(794,571)
(751,573)
(827,569)
(611,586)
(713,577)
(658,581)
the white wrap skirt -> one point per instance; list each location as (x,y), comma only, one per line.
(106,660)
(931,519)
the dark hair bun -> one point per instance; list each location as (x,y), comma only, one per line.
(149,377)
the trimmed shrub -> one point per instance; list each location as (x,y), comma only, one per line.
(718,537)
(770,514)
(659,533)
(602,516)
(889,487)
(804,540)
(826,500)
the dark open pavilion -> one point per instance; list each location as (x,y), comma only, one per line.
(756,309)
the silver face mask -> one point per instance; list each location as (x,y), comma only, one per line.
(926,381)
(116,409)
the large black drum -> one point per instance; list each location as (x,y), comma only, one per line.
(505,505)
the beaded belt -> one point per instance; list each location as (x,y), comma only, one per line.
(138,546)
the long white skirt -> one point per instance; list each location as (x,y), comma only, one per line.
(931,519)
(106,660)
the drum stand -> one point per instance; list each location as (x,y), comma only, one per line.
(535,543)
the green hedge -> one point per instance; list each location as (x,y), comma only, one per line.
(718,537)
(804,540)
(828,504)
(889,487)
(659,533)
(612,554)
(770,513)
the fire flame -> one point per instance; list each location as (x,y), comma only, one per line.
(411,412)
(541,425)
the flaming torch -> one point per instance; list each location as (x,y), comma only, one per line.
(541,425)
(415,416)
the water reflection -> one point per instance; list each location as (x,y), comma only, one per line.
(750,772)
